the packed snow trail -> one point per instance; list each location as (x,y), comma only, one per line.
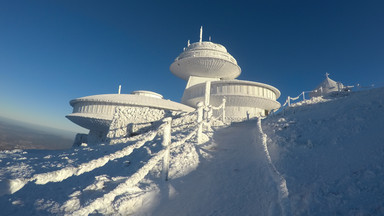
(235,181)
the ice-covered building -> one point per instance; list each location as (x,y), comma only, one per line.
(203,62)
(209,70)
(327,86)
(96,112)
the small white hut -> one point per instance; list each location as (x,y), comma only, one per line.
(326,87)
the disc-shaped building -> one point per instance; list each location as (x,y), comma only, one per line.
(203,62)
(96,112)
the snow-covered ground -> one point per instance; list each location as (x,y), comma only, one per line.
(323,157)
(331,152)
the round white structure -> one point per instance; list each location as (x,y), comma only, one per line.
(203,62)
(96,112)
(244,99)
(205,59)
(148,93)
(328,86)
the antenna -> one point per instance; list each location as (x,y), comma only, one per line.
(119,89)
(201,34)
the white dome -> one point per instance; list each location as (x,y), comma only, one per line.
(148,94)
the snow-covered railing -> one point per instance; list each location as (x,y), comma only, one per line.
(220,107)
(62,174)
(163,154)
(289,98)
(209,116)
(194,121)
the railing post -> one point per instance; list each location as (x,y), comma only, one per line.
(200,122)
(206,113)
(289,101)
(166,143)
(207,95)
(209,113)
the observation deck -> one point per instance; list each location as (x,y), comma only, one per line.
(205,59)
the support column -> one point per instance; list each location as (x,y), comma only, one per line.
(207,96)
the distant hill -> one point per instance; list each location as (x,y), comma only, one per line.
(19,135)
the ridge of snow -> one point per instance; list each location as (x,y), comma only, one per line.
(278,178)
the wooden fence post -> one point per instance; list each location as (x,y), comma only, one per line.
(166,142)
(200,122)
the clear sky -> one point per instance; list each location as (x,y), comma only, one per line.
(55,51)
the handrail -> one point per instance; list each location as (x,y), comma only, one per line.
(164,129)
(141,173)
(61,174)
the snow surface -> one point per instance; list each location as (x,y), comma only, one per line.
(324,156)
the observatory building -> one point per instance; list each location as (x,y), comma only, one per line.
(210,72)
(327,87)
(95,112)
(203,62)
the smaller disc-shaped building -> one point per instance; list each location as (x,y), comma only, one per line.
(203,62)
(96,112)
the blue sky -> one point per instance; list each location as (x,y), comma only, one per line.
(55,51)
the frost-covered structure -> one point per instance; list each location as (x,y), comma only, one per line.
(211,74)
(327,86)
(203,62)
(97,111)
